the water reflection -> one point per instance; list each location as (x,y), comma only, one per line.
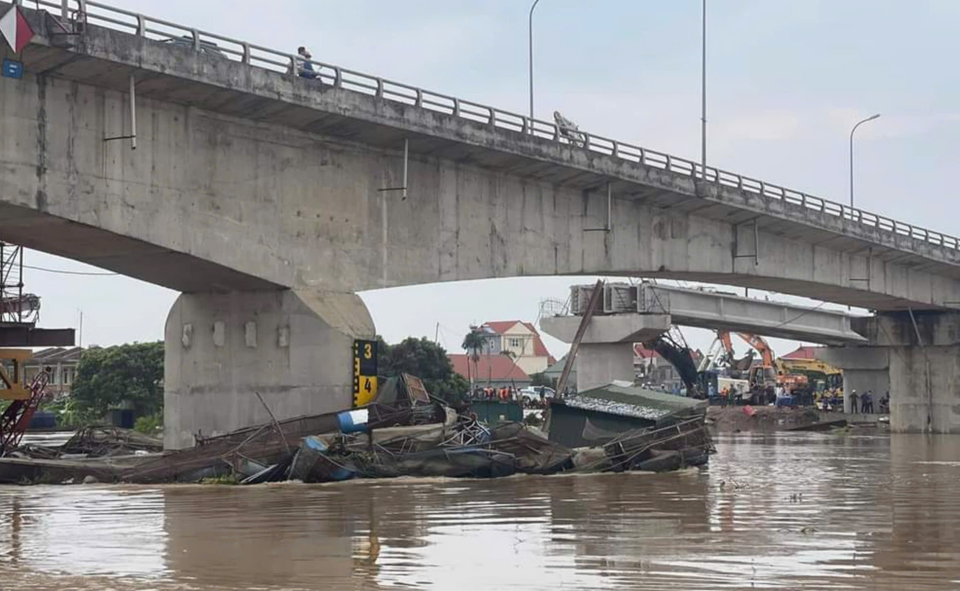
(785,511)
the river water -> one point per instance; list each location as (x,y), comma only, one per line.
(876,512)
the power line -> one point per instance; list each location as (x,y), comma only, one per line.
(64,272)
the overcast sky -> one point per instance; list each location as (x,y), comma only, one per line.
(786,81)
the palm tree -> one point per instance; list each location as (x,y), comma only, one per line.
(473,343)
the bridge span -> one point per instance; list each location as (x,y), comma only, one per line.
(628,314)
(269,199)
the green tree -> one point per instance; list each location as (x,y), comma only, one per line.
(111,376)
(426,360)
(474,344)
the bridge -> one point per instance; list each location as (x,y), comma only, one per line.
(628,314)
(198,162)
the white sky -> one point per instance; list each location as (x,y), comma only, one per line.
(787,79)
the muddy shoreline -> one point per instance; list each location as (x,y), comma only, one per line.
(768,419)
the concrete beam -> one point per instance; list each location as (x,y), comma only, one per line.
(623,328)
(29,336)
(731,312)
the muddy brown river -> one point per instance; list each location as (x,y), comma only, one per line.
(808,511)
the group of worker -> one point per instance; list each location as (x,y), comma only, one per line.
(728,395)
(866,403)
(832,399)
(829,399)
(504,393)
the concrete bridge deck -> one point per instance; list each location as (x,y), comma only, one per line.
(849,255)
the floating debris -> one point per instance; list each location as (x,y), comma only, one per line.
(402,433)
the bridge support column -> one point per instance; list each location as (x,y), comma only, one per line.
(916,359)
(606,351)
(293,347)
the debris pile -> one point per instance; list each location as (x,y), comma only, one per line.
(404,432)
(98,442)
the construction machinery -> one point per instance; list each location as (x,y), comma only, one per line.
(24,398)
(673,347)
(721,357)
(19,313)
(720,368)
(771,372)
(823,375)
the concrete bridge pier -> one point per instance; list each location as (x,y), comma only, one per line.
(606,351)
(294,347)
(916,359)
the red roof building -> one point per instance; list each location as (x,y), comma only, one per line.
(804,352)
(499,370)
(521,340)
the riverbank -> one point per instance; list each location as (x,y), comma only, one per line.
(766,419)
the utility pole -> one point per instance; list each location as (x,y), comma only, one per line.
(534,5)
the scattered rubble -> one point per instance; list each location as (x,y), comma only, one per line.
(404,432)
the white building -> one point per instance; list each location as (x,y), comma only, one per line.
(521,341)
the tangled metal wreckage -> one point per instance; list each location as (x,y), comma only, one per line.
(404,432)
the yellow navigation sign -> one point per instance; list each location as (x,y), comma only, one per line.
(364,372)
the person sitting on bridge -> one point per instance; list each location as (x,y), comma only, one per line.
(302,64)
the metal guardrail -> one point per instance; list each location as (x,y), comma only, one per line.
(271,59)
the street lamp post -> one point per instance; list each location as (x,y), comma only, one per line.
(703,95)
(534,5)
(859,123)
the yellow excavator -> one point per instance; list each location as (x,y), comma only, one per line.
(824,375)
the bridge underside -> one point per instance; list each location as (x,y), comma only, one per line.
(860,267)
(850,296)
(121,254)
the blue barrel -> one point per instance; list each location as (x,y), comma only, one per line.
(353,421)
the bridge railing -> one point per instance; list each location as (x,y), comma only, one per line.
(279,61)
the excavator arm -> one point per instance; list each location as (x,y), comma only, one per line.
(724,337)
(760,344)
